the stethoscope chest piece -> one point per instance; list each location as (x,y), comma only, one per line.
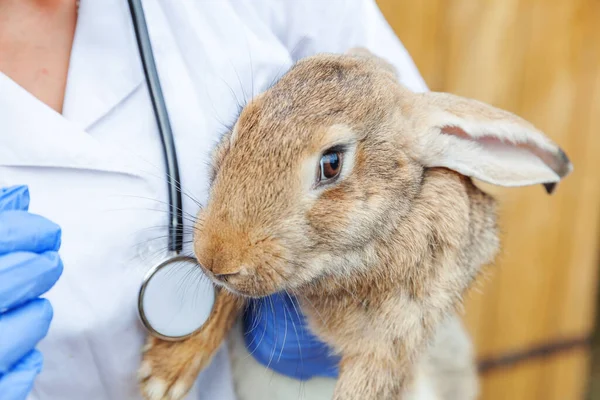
(175,299)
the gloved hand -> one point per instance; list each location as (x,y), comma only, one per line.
(29,267)
(277,336)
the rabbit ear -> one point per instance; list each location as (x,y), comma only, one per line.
(485,143)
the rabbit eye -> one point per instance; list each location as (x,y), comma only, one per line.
(330,165)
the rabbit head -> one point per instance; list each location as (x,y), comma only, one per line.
(328,163)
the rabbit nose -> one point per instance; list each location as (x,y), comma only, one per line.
(219,252)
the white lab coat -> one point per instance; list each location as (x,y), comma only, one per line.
(97,170)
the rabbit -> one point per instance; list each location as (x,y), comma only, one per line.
(356,195)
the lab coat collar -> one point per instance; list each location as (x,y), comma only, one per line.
(35,135)
(105,66)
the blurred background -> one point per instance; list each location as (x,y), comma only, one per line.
(532,315)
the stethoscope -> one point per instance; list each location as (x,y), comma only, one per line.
(167,310)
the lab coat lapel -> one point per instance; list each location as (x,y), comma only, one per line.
(105,66)
(34,135)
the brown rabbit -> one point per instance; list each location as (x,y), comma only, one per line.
(354,194)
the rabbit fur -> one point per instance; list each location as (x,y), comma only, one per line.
(447,371)
(380,258)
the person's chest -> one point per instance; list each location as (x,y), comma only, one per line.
(98,172)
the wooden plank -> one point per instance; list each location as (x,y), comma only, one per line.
(508,383)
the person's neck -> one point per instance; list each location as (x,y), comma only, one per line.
(36,37)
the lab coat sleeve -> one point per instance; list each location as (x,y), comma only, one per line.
(334,26)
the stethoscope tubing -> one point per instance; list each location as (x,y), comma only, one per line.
(175,242)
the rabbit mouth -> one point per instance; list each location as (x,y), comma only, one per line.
(246,284)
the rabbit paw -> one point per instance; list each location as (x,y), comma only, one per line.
(169,369)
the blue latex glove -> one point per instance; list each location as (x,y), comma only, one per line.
(29,267)
(277,336)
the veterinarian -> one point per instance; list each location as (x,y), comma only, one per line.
(83,195)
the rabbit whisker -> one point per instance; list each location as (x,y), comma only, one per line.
(157,201)
(259,342)
(296,332)
(276,333)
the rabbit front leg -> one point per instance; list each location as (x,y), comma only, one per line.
(169,369)
(385,363)
(373,377)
